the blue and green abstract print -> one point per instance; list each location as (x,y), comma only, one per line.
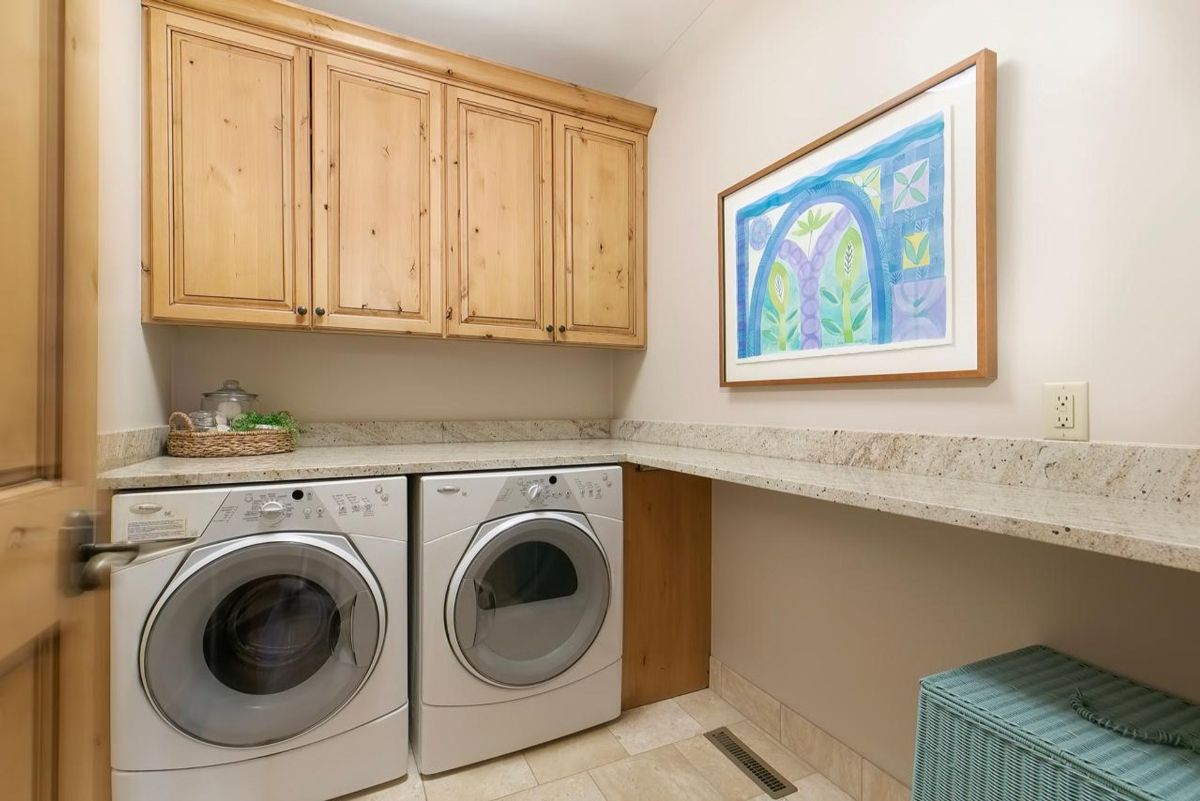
(850,257)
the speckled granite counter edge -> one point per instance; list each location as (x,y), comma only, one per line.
(1146,531)
(120,448)
(1156,473)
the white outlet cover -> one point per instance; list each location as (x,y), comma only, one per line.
(1078,391)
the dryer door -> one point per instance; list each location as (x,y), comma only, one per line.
(528,598)
(261,639)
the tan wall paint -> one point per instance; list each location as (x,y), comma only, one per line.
(838,612)
(134,361)
(357,377)
(1097,164)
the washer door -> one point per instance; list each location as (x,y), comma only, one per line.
(528,598)
(260,639)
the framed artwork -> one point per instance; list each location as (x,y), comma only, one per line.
(869,254)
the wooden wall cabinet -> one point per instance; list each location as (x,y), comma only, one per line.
(500,207)
(432,208)
(599,246)
(228,184)
(377,197)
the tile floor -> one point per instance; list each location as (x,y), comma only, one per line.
(653,753)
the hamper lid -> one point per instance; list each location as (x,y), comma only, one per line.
(1027,694)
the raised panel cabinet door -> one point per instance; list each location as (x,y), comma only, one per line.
(599,251)
(377,192)
(499,195)
(229,175)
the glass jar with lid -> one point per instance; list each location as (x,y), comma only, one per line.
(229,401)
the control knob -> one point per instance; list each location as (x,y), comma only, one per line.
(271,511)
(534,492)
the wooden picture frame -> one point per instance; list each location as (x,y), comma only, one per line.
(964,346)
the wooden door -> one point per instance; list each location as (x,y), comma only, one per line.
(53,646)
(599,248)
(229,175)
(377,192)
(499,277)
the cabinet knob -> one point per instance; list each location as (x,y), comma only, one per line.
(301,310)
(320,310)
(562,329)
(549,329)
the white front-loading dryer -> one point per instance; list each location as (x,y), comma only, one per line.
(259,641)
(517,621)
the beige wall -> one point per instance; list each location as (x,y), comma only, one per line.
(358,377)
(839,612)
(1097,162)
(134,362)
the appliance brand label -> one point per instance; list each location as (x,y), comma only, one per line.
(152,530)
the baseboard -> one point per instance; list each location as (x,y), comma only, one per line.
(849,770)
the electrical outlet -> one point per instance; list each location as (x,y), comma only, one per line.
(1066,410)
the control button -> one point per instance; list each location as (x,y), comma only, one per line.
(534,492)
(385,497)
(272,511)
(378,489)
(307,512)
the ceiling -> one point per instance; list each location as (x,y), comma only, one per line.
(602,44)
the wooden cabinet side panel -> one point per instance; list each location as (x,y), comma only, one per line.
(378,197)
(229,166)
(599,234)
(499,210)
(668,584)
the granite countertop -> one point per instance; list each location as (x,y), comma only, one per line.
(1157,532)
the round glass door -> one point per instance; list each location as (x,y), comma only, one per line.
(262,639)
(528,598)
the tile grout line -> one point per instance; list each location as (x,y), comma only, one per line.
(688,762)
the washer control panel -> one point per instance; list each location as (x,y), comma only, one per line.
(362,506)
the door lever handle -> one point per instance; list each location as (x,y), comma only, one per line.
(95,561)
(97,570)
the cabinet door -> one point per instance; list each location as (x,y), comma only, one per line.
(499,280)
(228,161)
(377,191)
(599,250)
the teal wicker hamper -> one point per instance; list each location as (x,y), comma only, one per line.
(1036,725)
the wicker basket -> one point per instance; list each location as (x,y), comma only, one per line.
(185,440)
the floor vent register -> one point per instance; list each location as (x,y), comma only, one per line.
(762,774)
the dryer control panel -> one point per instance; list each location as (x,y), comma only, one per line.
(452,502)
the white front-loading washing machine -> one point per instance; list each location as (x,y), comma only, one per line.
(517,610)
(259,641)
